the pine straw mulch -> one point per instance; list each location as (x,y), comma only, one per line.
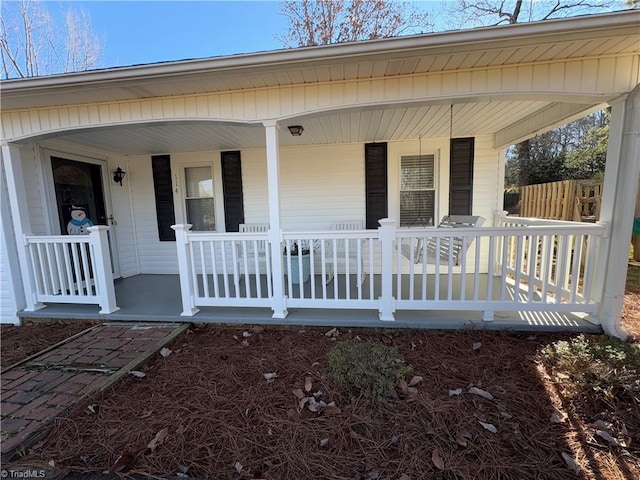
(20,342)
(631,307)
(223,420)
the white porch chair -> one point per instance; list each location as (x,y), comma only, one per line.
(261,245)
(446,249)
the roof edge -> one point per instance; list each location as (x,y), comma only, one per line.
(302,55)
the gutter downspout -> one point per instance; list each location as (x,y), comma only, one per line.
(617,208)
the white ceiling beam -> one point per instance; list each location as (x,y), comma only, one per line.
(542,121)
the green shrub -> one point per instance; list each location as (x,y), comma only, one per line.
(367,368)
(604,365)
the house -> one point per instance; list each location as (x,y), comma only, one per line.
(171,190)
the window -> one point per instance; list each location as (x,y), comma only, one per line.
(417,190)
(199,198)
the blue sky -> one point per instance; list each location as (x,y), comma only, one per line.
(135,32)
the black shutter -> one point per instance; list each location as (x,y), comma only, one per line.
(163,187)
(461,176)
(232,191)
(375,171)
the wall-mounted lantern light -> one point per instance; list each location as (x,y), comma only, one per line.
(118,175)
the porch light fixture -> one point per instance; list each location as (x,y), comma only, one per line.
(296,130)
(118,175)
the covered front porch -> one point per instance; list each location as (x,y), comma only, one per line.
(389,136)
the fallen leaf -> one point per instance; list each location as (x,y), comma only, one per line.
(332,333)
(402,385)
(303,402)
(92,409)
(415,380)
(246,334)
(489,427)
(558,417)
(244,343)
(456,392)
(324,442)
(238,466)
(270,377)
(476,345)
(158,439)
(52,463)
(436,458)
(124,461)
(571,463)
(298,393)
(182,475)
(330,410)
(602,425)
(480,392)
(138,374)
(404,476)
(463,438)
(183,468)
(315,406)
(146,414)
(307,384)
(606,436)
(257,329)
(165,352)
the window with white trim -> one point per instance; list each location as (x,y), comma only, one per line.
(198,200)
(417,190)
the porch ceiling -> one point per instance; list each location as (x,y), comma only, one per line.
(361,125)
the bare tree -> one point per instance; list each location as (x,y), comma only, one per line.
(321,22)
(475,13)
(31,44)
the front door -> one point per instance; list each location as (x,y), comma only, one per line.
(80,199)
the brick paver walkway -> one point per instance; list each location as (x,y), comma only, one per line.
(47,386)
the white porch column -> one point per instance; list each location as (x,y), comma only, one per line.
(102,268)
(278,303)
(619,195)
(21,221)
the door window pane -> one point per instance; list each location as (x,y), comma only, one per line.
(199,198)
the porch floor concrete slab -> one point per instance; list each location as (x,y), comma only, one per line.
(156,298)
(51,383)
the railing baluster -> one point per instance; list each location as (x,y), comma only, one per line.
(411,265)
(518,267)
(203,272)
(225,270)
(256,264)
(425,240)
(531,265)
(245,263)
(492,267)
(323,259)
(347,269)
(476,268)
(85,266)
(335,268)
(399,269)
(359,267)
(436,255)
(214,269)
(236,272)
(450,271)
(575,269)
(463,268)
(371,270)
(503,279)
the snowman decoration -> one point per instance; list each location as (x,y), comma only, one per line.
(79,222)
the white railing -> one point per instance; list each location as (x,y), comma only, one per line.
(223,269)
(72,269)
(521,264)
(338,262)
(554,260)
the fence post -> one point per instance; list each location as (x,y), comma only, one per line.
(187,288)
(103,275)
(387,233)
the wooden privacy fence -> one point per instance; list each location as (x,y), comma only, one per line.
(570,200)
